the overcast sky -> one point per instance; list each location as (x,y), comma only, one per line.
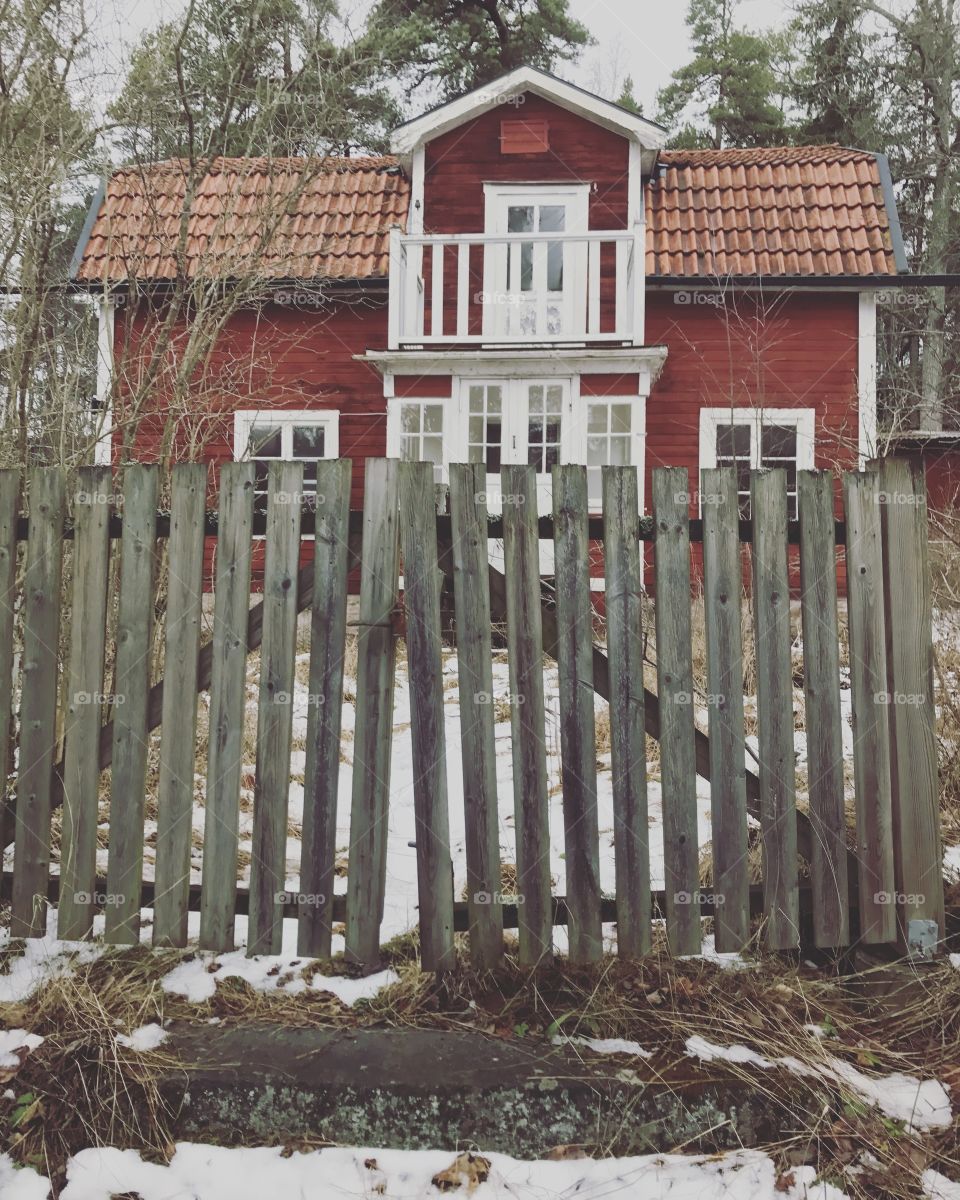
(646,39)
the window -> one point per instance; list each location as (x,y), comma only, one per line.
(542,422)
(544,425)
(267,436)
(485,425)
(747,439)
(609,435)
(421,431)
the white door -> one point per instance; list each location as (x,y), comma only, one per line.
(517,421)
(535,289)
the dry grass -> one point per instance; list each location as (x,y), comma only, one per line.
(88,1091)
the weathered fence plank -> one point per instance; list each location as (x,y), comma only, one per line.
(81,766)
(179,737)
(868,684)
(771,628)
(132,682)
(525,649)
(624,589)
(678,771)
(578,747)
(821,686)
(722,584)
(38,705)
(9,512)
(376,654)
(268,866)
(227,703)
(468,509)
(421,595)
(328,630)
(918,855)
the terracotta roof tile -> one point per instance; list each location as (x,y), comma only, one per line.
(801,210)
(321,217)
(795,210)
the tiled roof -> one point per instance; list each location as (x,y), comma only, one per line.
(799,210)
(802,210)
(317,218)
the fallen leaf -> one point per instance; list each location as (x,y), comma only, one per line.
(469,1169)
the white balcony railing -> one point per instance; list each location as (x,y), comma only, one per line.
(516,288)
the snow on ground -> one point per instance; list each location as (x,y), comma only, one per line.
(199,1172)
(48,958)
(919,1104)
(605,1045)
(14,1040)
(146,1038)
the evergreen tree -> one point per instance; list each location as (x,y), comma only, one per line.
(728,93)
(453,46)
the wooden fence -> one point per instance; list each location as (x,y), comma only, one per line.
(883,886)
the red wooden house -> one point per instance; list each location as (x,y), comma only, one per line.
(529,277)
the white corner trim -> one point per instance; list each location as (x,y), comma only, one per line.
(422,129)
(867,377)
(106,326)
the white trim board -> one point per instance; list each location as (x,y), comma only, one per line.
(106,327)
(244,420)
(867,378)
(498,92)
(803,418)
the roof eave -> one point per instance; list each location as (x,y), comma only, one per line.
(414,133)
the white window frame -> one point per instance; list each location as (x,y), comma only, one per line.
(244,420)
(803,419)
(638,434)
(395,429)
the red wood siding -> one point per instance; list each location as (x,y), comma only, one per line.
(459,162)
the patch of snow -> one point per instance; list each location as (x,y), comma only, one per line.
(920,1104)
(197,978)
(604,1045)
(938,1187)
(146,1038)
(22,1183)
(12,1040)
(951,862)
(42,960)
(214,1173)
(728,960)
(698,1047)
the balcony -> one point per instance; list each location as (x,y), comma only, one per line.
(516,289)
